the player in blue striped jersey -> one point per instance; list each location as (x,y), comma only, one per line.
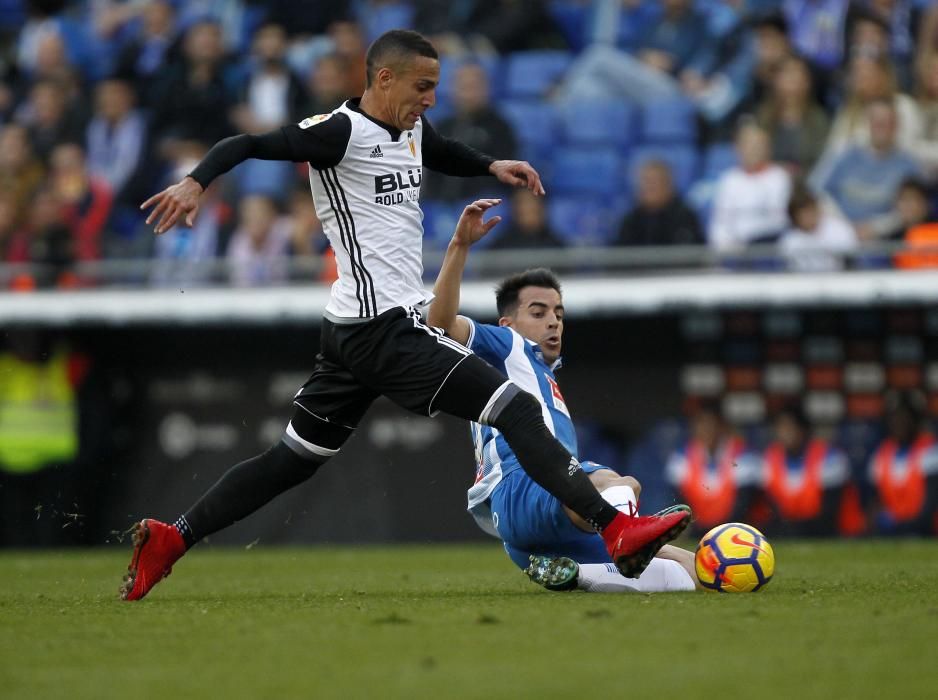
(555,546)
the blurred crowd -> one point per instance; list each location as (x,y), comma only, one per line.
(791,478)
(809,126)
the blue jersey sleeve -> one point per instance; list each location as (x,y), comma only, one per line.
(492,343)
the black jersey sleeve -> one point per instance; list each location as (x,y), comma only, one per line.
(452,157)
(322,145)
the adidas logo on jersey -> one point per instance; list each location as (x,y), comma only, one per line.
(376,152)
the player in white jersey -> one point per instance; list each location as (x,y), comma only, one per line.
(366,162)
(554,546)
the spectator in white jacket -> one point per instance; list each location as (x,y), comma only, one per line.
(751,199)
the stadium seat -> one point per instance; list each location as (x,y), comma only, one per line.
(681,158)
(600,123)
(718,158)
(583,171)
(573,20)
(534,122)
(581,220)
(672,120)
(384,16)
(531,74)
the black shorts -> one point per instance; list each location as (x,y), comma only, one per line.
(395,355)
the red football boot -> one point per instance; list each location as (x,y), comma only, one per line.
(157,546)
(633,540)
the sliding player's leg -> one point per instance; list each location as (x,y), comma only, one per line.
(562,573)
(631,540)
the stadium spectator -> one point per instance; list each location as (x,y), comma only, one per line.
(194,97)
(327,86)
(86,200)
(45,242)
(864,179)
(21,173)
(270,95)
(142,59)
(306,18)
(817,30)
(477,123)
(117,139)
(50,119)
(258,250)
(772,46)
(184,256)
(904,470)
(349,44)
(751,199)
(913,208)
(794,120)
(804,478)
(713,473)
(308,241)
(895,21)
(10,218)
(818,241)
(646,69)
(927,44)
(490,26)
(927,98)
(660,216)
(528,226)
(869,80)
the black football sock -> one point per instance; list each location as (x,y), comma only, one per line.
(243,489)
(547,461)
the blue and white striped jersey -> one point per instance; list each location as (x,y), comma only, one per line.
(522,362)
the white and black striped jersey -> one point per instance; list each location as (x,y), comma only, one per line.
(365,177)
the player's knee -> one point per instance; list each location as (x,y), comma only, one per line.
(606,478)
(522,410)
(313,438)
(633,483)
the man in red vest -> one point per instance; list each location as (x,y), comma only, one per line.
(714,473)
(804,477)
(904,470)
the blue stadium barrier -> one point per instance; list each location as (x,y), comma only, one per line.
(531,74)
(583,171)
(610,123)
(683,160)
(672,120)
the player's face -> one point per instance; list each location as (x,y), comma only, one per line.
(412,91)
(539,318)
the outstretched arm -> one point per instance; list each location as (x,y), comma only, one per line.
(321,144)
(452,157)
(444,311)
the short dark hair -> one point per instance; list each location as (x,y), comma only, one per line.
(801,198)
(393,46)
(507,292)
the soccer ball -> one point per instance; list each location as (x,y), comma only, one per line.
(734,558)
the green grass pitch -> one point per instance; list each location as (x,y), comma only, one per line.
(840,620)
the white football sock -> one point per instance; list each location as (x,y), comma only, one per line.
(661,575)
(620,497)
